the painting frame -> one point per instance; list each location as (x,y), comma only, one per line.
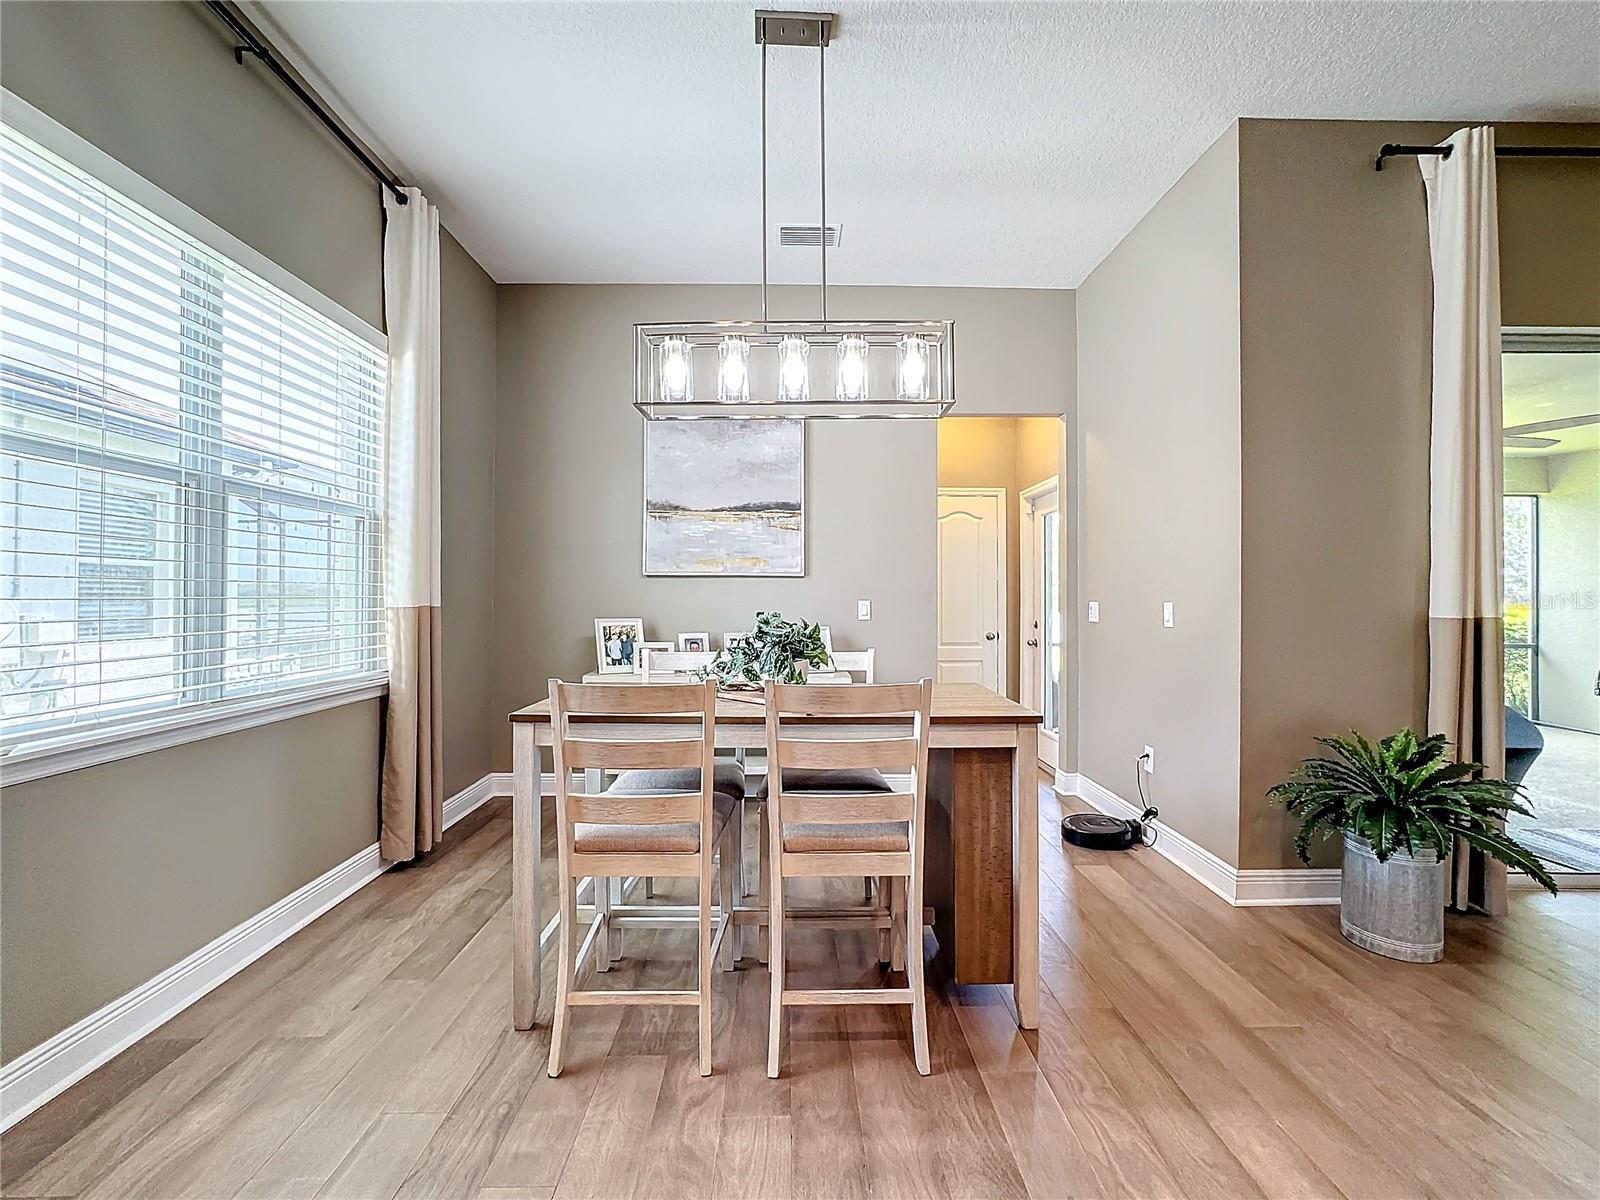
(627,664)
(687,643)
(803,564)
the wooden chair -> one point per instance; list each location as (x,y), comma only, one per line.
(822,831)
(619,834)
(857,662)
(669,666)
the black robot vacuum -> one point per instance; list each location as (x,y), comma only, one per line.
(1096,831)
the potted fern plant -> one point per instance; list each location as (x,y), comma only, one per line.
(774,649)
(1401,804)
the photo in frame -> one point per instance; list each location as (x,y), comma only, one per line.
(694,643)
(616,644)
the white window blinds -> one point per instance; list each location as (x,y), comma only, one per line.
(190,470)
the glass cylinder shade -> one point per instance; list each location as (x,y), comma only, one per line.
(677,371)
(851,377)
(794,373)
(733,370)
(913,375)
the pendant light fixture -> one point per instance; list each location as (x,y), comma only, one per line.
(764,368)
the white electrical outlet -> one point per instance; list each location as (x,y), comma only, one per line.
(863,610)
(1094,611)
(1149,760)
(1166,614)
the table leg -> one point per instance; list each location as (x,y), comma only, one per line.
(527,838)
(1025,875)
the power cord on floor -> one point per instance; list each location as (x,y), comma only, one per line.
(1150,813)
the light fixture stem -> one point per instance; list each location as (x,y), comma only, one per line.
(822,146)
(763,184)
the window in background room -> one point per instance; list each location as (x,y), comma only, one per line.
(1520,609)
(190,470)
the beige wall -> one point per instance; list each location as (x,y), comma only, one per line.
(1335,396)
(467,314)
(1012,453)
(113,873)
(1157,487)
(568,477)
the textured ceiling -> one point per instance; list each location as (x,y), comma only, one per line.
(1551,387)
(989,144)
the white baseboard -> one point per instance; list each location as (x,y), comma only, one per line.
(1243,889)
(48,1069)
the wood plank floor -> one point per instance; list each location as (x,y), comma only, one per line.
(1187,1049)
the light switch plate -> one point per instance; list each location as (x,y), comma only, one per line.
(1166,614)
(1094,611)
(863,610)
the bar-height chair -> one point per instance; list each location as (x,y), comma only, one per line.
(665,833)
(819,830)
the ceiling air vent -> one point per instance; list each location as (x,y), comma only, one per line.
(808,235)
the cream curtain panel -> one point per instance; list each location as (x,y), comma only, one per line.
(1466,698)
(412,802)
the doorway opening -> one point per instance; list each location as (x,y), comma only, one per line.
(1000,586)
(1551,609)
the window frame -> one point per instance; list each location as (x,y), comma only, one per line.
(210,713)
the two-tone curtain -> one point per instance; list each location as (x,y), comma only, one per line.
(412,800)
(1466,698)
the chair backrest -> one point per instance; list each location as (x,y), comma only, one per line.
(879,726)
(584,735)
(670,664)
(857,662)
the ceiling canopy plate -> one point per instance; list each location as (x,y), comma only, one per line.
(784,28)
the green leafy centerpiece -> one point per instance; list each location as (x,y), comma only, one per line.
(775,649)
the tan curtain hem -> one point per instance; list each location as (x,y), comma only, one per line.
(412,797)
(1466,704)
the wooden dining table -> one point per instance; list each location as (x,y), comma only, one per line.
(982,849)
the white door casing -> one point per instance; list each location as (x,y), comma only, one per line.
(1034,654)
(972,586)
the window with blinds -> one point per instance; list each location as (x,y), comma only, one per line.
(190,470)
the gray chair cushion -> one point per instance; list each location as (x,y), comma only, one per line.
(726,778)
(652,839)
(880,836)
(850,779)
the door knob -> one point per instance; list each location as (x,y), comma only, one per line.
(1033,641)
(989,637)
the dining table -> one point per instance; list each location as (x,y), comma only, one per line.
(982,846)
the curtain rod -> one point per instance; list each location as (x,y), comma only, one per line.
(250,44)
(1391,149)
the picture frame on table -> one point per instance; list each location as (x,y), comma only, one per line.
(616,644)
(694,643)
(730,640)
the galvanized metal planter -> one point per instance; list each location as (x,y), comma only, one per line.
(1393,908)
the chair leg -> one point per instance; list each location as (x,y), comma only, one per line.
(912,906)
(703,960)
(763,887)
(775,1016)
(897,940)
(886,933)
(616,931)
(566,965)
(602,908)
(729,870)
(649,887)
(747,887)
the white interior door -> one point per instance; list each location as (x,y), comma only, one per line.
(1041,653)
(972,586)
